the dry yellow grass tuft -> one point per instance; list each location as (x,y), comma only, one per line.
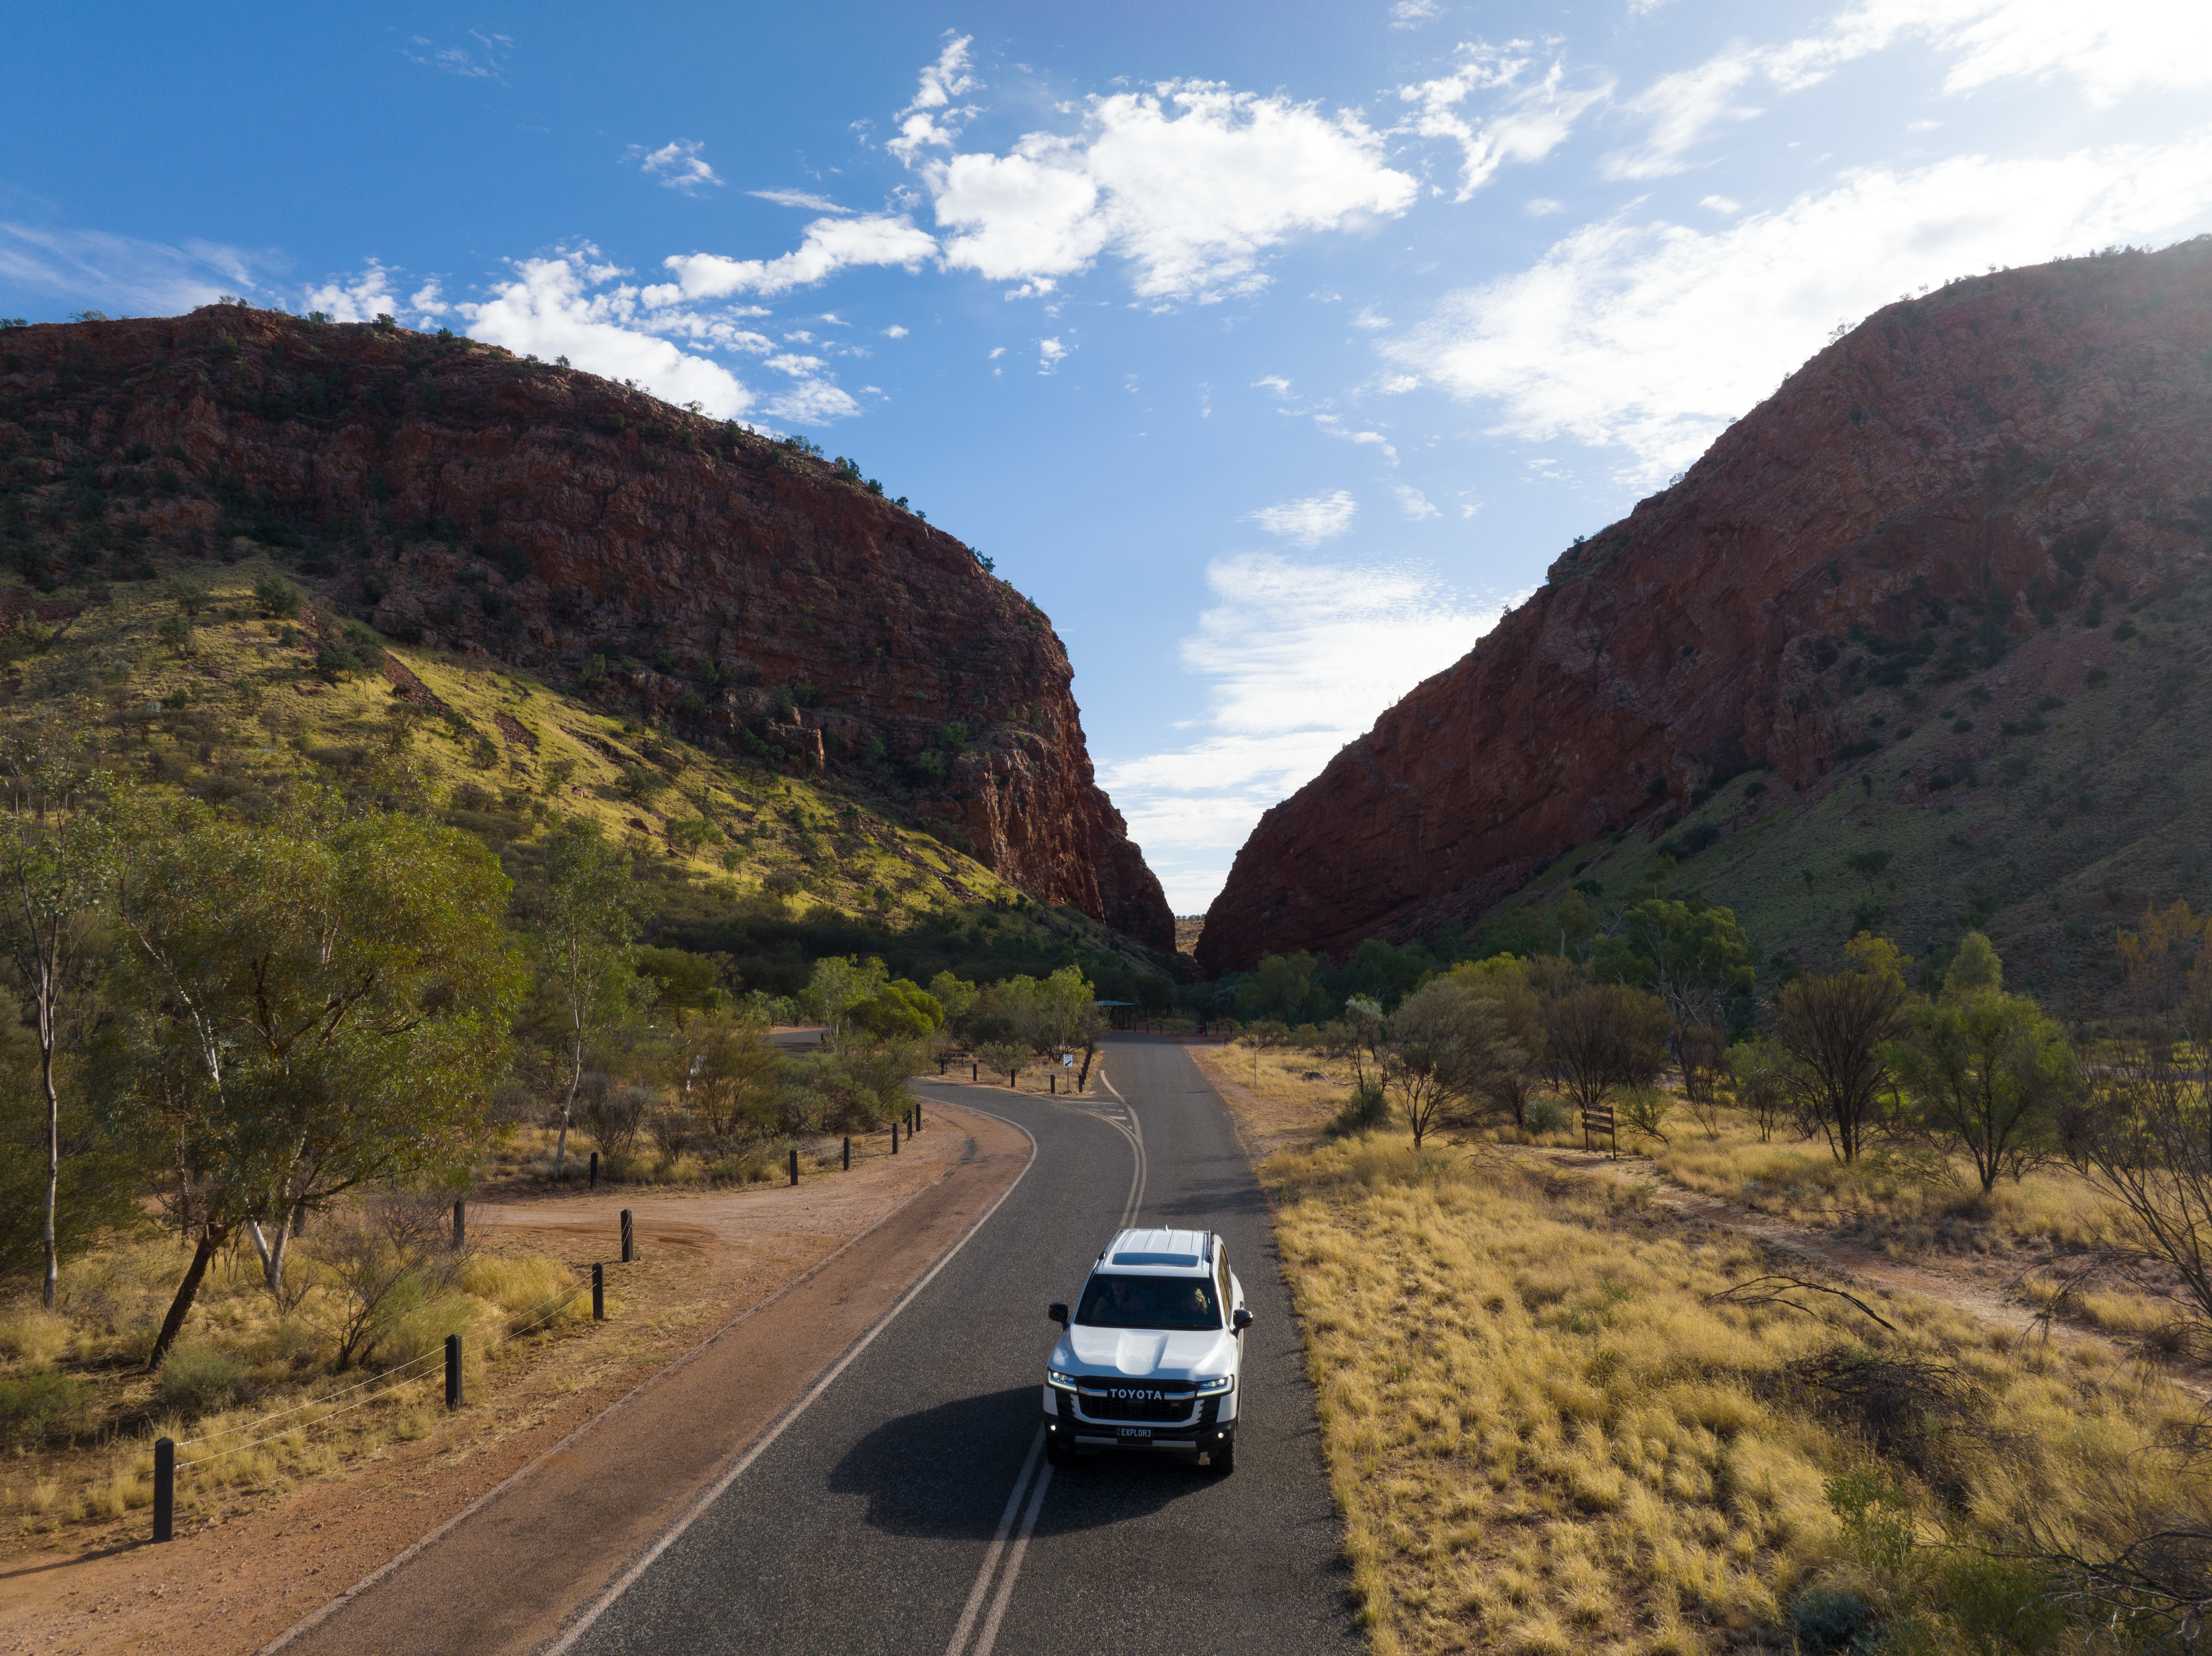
(1544,1437)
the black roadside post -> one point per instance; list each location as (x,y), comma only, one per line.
(629,1239)
(452,1372)
(1053,1083)
(594,1185)
(894,1138)
(848,1153)
(165,1487)
(975,1072)
(460,1224)
(795,1166)
(598,1293)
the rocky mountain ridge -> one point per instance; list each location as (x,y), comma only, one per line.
(1958,473)
(747,593)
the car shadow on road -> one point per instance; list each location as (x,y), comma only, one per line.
(921,1474)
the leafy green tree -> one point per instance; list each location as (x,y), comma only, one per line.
(1869,865)
(838,984)
(278,598)
(1696,958)
(176,632)
(580,925)
(322,1001)
(1836,1033)
(57,867)
(1503,981)
(1283,986)
(1444,1044)
(728,1073)
(1600,1038)
(902,1010)
(1986,1069)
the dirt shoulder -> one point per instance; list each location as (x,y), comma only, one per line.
(737,1303)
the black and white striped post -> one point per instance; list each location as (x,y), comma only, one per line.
(165,1487)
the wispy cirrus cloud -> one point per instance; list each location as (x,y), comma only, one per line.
(676,165)
(1608,339)
(124,273)
(1534,109)
(486,59)
(1299,659)
(1308,522)
(813,203)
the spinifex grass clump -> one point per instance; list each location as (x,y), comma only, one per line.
(1545,1436)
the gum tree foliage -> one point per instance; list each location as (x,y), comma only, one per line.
(1835,1033)
(839,984)
(1505,982)
(1442,1046)
(579,925)
(2143,1132)
(1986,1069)
(728,1074)
(1602,1037)
(57,866)
(1284,987)
(900,1010)
(323,1002)
(1696,958)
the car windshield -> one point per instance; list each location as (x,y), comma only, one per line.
(1173,1302)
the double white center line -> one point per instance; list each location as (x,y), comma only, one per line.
(1034,1467)
(989,1635)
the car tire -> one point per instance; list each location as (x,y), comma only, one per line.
(1223,1459)
(1057,1453)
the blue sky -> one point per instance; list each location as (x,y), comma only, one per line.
(1271,348)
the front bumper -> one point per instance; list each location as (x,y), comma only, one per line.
(1201,1432)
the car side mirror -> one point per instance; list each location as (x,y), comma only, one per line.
(1242,1320)
(1058,1312)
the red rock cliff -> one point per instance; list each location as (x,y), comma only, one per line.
(753,594)
(2007,447)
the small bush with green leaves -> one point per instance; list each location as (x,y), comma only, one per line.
(40,1406)
(198,1380)
(278,598)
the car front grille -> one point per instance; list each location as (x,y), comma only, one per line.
(1139,1401)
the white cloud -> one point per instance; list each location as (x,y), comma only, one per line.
(829,246)
(1722,204)
(485,61)
(1412,14)
(948,78)
(1414,503)
(894,331)
(799,198)
(1542,207)
(1610,338)
(678,165)
(360,298)
(1192,184)
(1366,318)
(997,351)
(2112,50)
(122,273)
(1308,522)
(1273,382)
(1533,117)
(1332,425)
(1301,658)
(1049,354)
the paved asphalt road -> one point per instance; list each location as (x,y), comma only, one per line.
(909,1508)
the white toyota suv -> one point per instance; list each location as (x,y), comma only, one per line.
(1152,1356)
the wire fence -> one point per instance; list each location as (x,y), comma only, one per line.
(543,1312)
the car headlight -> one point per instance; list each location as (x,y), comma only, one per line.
(1065,1382)
(1206,1388)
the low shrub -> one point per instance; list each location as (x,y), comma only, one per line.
(1828,1619)
(1545,1115)
(198,1380)
(1362,1113)
(37,1406)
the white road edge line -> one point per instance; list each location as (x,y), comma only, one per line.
(315,1618)
(714,1491)
(998,1545)
(1013,1566)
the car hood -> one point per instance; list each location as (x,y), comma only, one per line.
(1143,1351)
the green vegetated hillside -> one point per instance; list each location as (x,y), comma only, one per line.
(2044,791)
(243,699)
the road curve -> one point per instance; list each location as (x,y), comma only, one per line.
(908,1510)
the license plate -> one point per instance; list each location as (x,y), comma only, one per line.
(1137,1431)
